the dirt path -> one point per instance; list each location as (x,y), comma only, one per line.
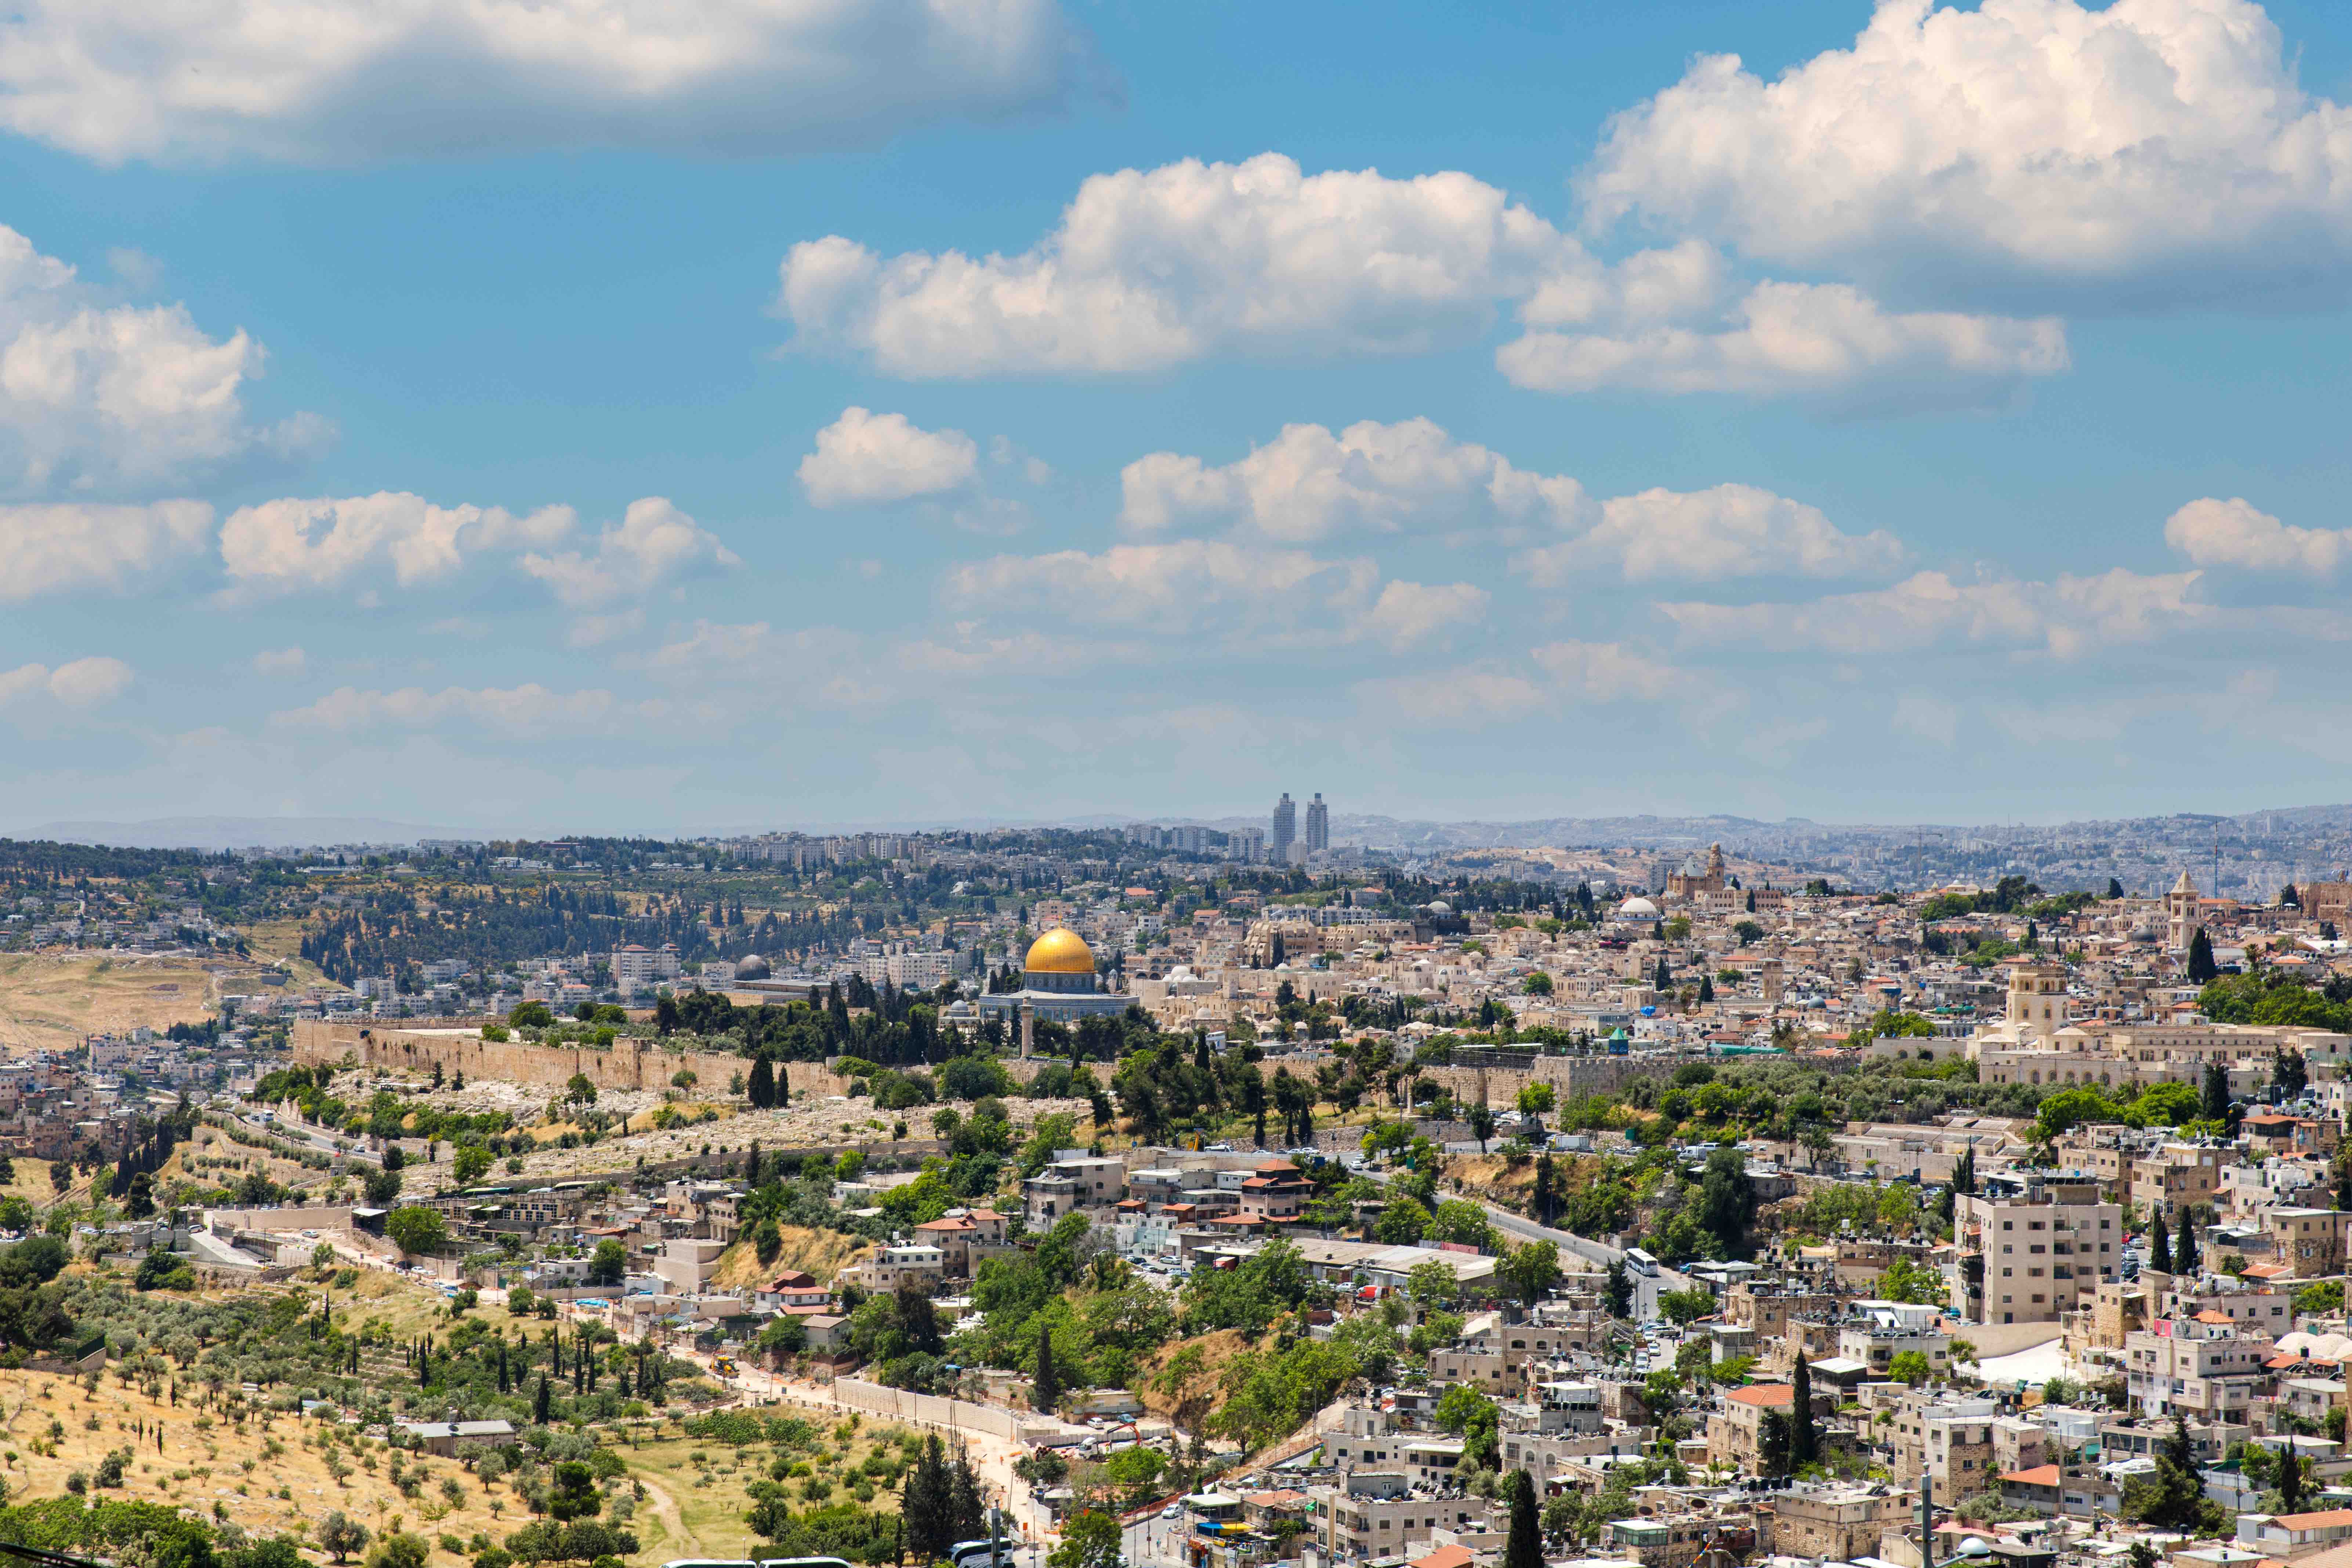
(665,1512)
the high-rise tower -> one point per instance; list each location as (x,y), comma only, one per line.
(1318,824)
(1285,829)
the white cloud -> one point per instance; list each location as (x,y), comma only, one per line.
(285,662)
(2231,533)
(1824,339)
(653,543)
(1730,531)
(61,548)
(864,456)
(531,708)
(283,546)
(1408,614)
(1546,678)
(106,398)
(1307,485)
(335,82)
(2070,617)
(81,683)
(1151,269)
(1927,718)
(2163,144)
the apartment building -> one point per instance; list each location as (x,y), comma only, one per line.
(2035,1246)
(1832,1522)
(2178,1176)
(2205,1367)
(1377,1513)
(1947,1439)
(1734,1430)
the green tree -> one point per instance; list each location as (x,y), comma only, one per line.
(416,1230)
(2216,1097)
(1482,1124)
(341,1537)
(1683,1307)
(1537,1099)
(2174,1497)
(1726,1199)
(1773,1444)
(1804,1441)
(472,1164)
(1048,1390)
(2290,1480)
(2289,1076)
(608,1264)
(2184,1256)
(1524,1546)
(1910,1366)
(2202,967)
(1618,1293)
(1090,1540)
(1533,1271)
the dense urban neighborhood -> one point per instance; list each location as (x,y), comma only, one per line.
(1172,1196)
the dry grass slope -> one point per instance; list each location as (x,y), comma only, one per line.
(51,1002)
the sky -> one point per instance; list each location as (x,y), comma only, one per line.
(590,416)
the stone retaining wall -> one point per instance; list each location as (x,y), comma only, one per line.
(455,1045)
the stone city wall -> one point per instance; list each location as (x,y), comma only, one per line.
(457,1047)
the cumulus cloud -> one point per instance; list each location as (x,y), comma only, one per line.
(322,82)
(1309,485)
(2160,144)
(2235,533)
(1408,614)
(527,709)
(1729,530)
(1154,269)
(283,546)
(81,683)
(285,662)
(865,456)
(653,543)
(62,548)
(1825,339)
(109,398)
(1546,678)
(2069,618)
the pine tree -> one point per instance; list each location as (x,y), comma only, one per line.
(1525,1547)
(1049,1387)
(1804,1444)
(2159,1244)
(927,1501)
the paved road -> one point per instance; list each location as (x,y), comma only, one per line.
(1155,1541)
(1646,1286)
(301,1132)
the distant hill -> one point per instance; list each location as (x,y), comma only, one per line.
(237,832)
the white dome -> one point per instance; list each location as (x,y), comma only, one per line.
(1637,909)
(1440,907)
(1976,1546)
(2297,1344)
(2331,1347)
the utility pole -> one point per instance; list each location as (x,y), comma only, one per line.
(1926,1521)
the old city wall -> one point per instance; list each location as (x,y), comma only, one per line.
(456,1047)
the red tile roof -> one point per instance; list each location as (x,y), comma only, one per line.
(2040,1476)
(1764,1394)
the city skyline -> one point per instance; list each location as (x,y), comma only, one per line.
(1033,410)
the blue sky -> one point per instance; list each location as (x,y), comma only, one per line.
(901,411)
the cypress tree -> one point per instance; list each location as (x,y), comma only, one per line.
(763,1085)
(1804,1444)
(2290,1481)
(2184,1259)
(1525,1547)
(2159,1244)
(2216,1097)
(967,1519)
(1049,1387)
(542,1404)
(2203,970)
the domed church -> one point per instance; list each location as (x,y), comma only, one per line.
(1057,981)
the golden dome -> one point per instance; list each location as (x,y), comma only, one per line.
(1059,951)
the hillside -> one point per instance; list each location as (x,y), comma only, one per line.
(823,1254)
(51,1001)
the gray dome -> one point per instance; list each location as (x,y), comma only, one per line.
(750,966)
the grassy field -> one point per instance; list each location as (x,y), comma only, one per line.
(823,1254)
(696,1491)
(51,1002)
